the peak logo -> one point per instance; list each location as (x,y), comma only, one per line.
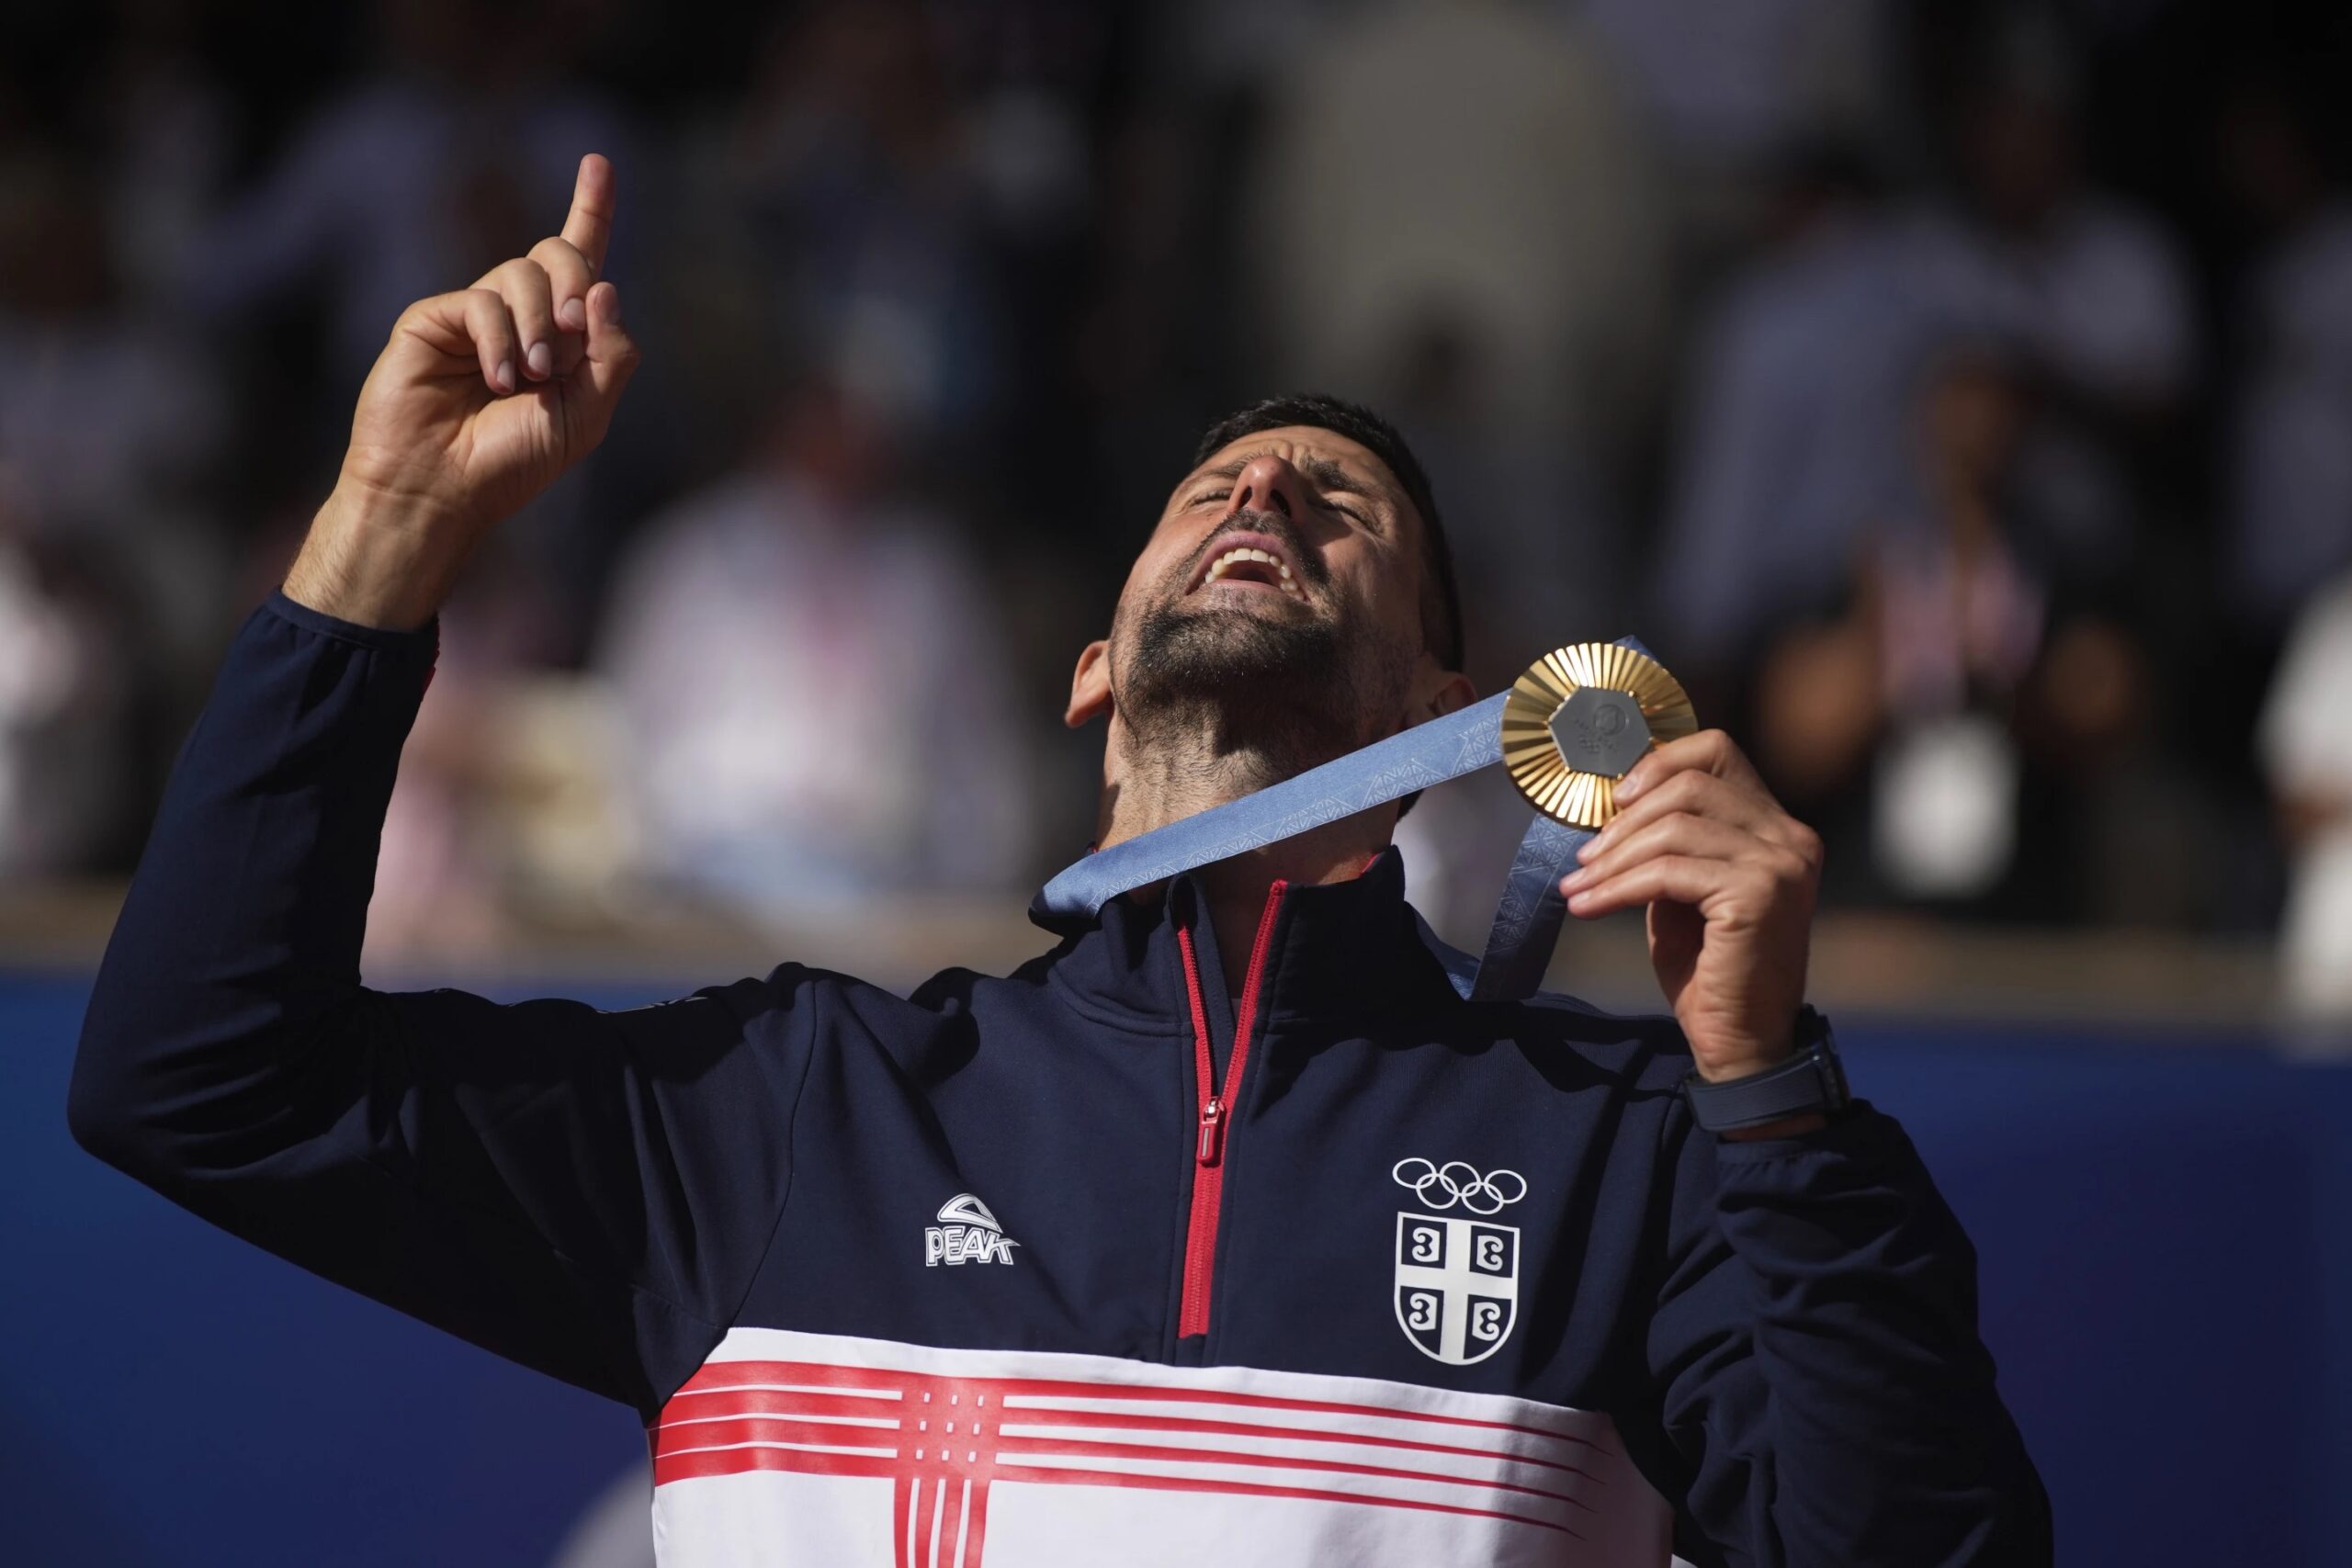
(966,1233)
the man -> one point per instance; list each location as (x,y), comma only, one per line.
(1224,1228)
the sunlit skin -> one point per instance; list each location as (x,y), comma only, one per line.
(482,397)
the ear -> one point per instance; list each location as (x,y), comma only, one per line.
(1090,686)
(1438,692)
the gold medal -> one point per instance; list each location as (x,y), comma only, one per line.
(1579,720)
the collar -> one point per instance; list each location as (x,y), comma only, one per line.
(1335,949)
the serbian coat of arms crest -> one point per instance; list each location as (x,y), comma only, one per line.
(1457,1274)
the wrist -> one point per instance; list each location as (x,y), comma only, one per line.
(1745,1059)
(1794,1094)
(377,559)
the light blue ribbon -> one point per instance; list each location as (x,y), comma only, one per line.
(1527,918)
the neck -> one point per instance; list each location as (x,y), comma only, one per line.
(1151,786)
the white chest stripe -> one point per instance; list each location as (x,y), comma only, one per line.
(791,1447)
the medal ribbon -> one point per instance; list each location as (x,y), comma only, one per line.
(1527,918)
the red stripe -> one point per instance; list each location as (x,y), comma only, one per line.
(701,1437)
(717,1404)
(733,1420)
(1058,1447)
(1216,1114)
(718,1376)
(738,1461)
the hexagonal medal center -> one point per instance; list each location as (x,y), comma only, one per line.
(1601,731)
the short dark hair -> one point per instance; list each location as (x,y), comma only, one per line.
(1440,598)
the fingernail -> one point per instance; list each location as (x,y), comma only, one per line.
(1627,787)
(613,306)
(573,315)
(1571,882)
(542,360)
(1590,847)
(503,376)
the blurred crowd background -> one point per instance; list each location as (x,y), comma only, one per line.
(1958,397)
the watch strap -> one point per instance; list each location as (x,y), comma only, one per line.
(1813,1079)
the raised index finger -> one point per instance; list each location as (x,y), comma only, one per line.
(589,225)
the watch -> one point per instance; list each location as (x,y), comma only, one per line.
(1813,1079)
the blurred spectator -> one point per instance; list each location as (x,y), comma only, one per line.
(855,172)
(1463,170)
(1797,436)
(166,125)
(1946,730)
(66,751)
(2291,438)
(471,809)
(102,415)
(111,431)
(1797,445)
(2307,752)
(1740,87)
(2090,292)
(456,152)
(812,679)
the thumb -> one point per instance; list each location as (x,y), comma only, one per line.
(611,358)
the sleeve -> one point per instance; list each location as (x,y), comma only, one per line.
(588,1193)
(1814,1349)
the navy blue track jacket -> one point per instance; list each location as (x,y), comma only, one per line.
(1092,1263)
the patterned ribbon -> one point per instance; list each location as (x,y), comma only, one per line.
(1527,918)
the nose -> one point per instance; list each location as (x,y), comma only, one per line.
(1268,484)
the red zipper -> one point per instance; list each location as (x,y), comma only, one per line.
(1216,1109)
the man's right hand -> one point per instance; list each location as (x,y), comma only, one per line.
(479,402)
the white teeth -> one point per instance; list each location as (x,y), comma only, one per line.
(1228,561)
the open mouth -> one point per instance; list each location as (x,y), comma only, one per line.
(1249,563)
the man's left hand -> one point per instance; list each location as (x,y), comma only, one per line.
(1729,879)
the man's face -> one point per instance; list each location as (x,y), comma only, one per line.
(1278,600)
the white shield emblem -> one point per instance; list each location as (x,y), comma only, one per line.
(1457,1285)
(1458,1275)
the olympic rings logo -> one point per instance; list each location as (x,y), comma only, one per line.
(1458,1181)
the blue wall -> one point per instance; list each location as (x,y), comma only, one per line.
(2167,1281)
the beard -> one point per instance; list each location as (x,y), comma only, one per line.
(1223,679)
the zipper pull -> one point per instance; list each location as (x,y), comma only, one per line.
(1211,1130)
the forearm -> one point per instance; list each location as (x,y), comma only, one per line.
(378,558)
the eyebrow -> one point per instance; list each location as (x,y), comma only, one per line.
(1322,472)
